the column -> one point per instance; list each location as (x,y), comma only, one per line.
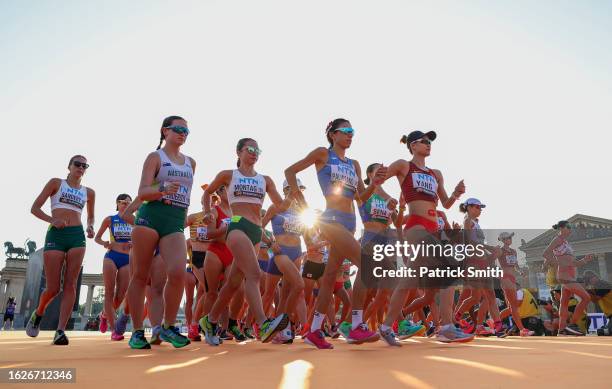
(88,303)
(2,295)
(603,271)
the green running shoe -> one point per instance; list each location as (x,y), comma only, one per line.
(32,326)
(60,338)
(238,335)
(173,335)
(248,332)
(210,331)
(270,327)
(138,340)
(345,329)
(407,330)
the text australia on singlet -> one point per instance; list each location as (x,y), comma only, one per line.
(181,197)
(249,187)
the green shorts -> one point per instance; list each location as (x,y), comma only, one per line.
(252,230)
(64,239)
(163,218)
(347,284)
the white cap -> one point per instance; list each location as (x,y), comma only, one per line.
(505,235)
(474,201)
(299,182)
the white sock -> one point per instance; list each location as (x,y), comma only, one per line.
(317,321)
(384,327)
(357,318)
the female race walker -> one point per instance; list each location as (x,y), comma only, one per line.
(165,188)
(246,190)
(340,180)
(64,242)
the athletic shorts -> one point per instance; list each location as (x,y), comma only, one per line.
(347,284)
(64,239)
(252,230)
(338,285)
(9,316)
(293,252)
(163,218)
(413,220)
(313,270)
(188,269)
(347,220)
(222,252)
(119,259)
(263,264)
(197,258)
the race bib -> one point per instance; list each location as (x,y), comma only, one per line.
(425,183)
(344,174)
(511,259)
(122,231)
(292,224)
(73,197)
(179,199)
(202,234)
(249,187)
(379,209)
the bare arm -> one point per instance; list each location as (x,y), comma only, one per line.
(549,256)
(49,190)
(101,231)
(128,213)
(275,197)
(270,213)
(363,192)
(445,200)
(91,204)
(318,155)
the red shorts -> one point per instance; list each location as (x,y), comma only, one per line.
(222,252)
(430,225)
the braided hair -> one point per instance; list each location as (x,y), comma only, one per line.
(166,123)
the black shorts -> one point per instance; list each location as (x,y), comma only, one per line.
(313,270)
(9,316)
(197,258)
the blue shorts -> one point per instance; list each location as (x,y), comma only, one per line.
(347,220)
(263,264)
(189,270)
(119,259)
(370,237)
(293,252)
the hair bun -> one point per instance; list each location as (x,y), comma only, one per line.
(404,139)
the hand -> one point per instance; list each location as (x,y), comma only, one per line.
(90,232)
(392,204)
(106,245)
(275,248)
(58,223)
(459,189)
(171,187)
(208,218)
(456,226)
(298,196)
(379,176)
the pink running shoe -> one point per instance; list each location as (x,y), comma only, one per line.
(103,323)
(527,332)
(116,336)
(362,334)
(317,339)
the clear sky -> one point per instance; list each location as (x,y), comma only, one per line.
(519,92)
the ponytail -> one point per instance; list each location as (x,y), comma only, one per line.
(331,127)
(561,224)
(404,140)
(463,208)
(240,145)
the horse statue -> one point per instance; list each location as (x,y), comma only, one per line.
(14,252)
(31,245)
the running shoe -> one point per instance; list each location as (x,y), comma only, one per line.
(248,332)
(138,340)
(513,331)
(362,334)
(389,336)
(304,330)
(103,323)
(431,331)
(451,334)
(317,339)
(210,331)
(335,331)
(60,338)
(121,324)
(238,335)
(407,330)
(173,336)
(573,329)
(345,329)
(155,339)
(481,330)
(32,326)
(270,327)
(256,331)
(467,327)
(116,336)
(526,332)
(224,335)
(193,333)
(283,337)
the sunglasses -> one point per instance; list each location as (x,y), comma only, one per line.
(179,129)
(80,164)
(125,202)
(423,141)
(253,150)
(346,130)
